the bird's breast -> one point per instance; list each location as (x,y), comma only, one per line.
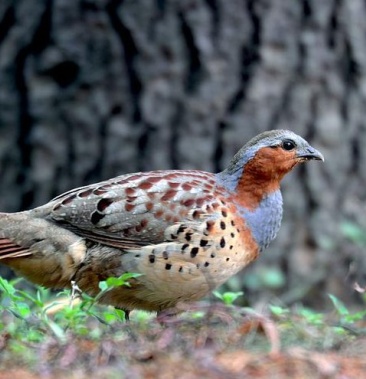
(196,258)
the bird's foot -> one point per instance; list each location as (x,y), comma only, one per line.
(75,291)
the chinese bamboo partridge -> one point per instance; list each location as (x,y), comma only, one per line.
(185,231)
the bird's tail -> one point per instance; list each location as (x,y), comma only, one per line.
(40,250)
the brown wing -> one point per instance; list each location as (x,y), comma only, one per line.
(134,210)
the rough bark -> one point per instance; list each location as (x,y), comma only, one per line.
(92,89)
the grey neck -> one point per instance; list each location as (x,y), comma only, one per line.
(265,221)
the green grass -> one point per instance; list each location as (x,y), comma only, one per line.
(32,316)
(34,321)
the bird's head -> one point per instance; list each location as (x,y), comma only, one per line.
(260,165)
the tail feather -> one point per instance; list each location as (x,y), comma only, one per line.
(9,249)
(40,250)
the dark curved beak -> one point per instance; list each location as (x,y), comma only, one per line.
(308,153)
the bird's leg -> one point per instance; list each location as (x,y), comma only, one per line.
(75,291)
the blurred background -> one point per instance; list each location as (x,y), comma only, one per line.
(94,89)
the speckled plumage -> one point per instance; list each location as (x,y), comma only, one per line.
(185,231)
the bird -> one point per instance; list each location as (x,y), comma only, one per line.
(184,232)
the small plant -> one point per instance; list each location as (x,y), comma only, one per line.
(113,282)
(278,311)
(38,312)
(228,297)
(346,318)
(312,317)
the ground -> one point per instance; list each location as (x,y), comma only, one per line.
(208,340)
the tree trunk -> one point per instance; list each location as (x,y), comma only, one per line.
(93,89)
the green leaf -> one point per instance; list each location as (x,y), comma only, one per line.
(338,305)
(23,309)
(278,311)
(103,285)
(353,317)
(114,282)
(109,317)
(9,289)
(311,316)
(228,297)
(6,287)
(120,314)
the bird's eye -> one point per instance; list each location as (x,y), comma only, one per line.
(288,145)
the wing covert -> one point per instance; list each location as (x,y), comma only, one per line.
(134,210)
